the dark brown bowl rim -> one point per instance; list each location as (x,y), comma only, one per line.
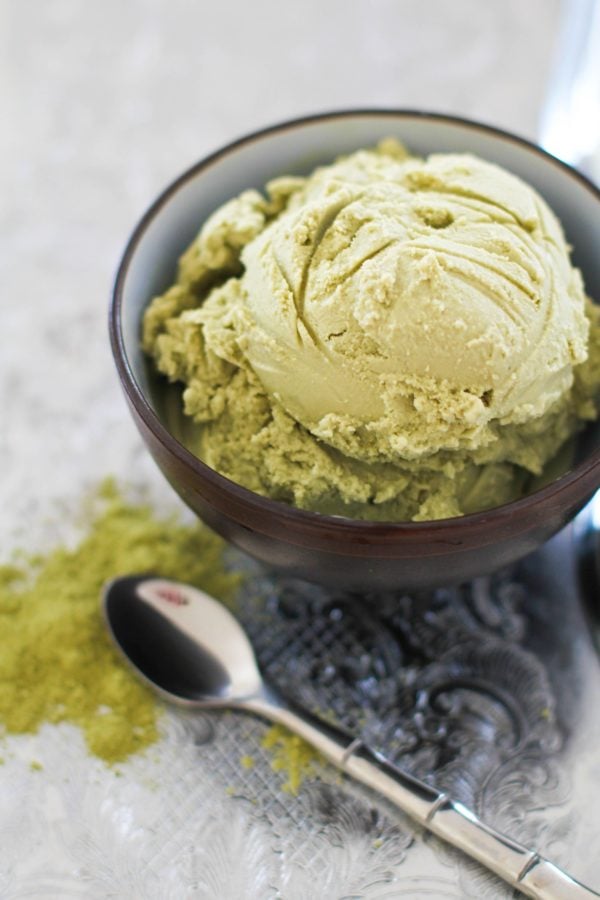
(370,531)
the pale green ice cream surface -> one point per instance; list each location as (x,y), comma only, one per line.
(389,338)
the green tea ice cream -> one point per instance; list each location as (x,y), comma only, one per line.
(389,338)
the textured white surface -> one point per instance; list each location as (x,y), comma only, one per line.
(102,104)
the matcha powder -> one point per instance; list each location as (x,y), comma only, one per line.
(56,661)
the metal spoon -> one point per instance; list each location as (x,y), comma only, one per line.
(194,652)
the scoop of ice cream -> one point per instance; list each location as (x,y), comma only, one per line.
(402,307)
(388,338)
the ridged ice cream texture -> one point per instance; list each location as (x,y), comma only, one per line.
(418,321)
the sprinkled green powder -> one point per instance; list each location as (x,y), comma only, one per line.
(56,661)
(291,755)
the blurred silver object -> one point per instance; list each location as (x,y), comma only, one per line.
(570,119)
(587,542)
(193,651)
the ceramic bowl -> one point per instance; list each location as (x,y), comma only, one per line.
(329,549)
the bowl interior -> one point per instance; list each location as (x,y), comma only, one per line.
(298,148)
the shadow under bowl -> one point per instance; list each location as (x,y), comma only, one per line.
(342,552)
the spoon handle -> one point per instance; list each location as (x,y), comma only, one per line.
(518,865)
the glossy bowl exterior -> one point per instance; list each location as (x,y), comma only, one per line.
(334,550)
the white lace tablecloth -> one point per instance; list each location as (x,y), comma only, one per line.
(103,104)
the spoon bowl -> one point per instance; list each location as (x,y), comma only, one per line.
(193,651)
(184,643)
